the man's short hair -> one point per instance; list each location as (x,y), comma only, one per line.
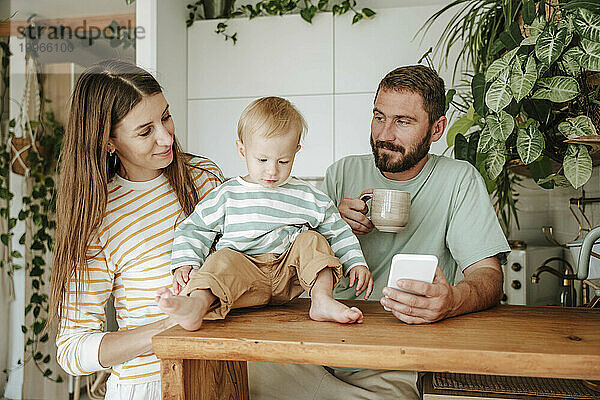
(422,80)
(270,117)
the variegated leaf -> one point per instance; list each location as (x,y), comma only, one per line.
(500,125)
(486,141)
(569,61)
(587,24)
(499,94)
(529,41)
(590,59)
(578,126)
(558,180)
(557,89)
(496,68)
(577,165)
(500,65)
(521,82)
(494,162)
(536,28)
(551,43)
(530,143)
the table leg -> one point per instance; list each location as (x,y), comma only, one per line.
(204,380)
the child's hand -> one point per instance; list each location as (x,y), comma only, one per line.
(363,278)
(181,277)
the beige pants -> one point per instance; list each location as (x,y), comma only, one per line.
(271,381)
(239,280)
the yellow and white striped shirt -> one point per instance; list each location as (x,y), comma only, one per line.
(134,246)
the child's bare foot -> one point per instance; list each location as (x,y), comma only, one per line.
(325,308)
(188,312)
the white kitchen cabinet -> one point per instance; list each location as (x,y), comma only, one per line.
(212,132)
(366,51)
(283,55)
(353,113)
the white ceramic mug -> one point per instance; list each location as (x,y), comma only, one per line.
(390,209)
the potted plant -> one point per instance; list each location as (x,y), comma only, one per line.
(533,102)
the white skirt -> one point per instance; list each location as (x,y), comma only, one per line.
(137,391)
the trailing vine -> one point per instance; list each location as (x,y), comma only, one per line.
(306,8)
(8,223)
(37,212)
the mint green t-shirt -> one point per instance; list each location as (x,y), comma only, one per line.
(451,216)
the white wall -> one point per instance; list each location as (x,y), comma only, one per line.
(163,50)
(329,69)
(14,386)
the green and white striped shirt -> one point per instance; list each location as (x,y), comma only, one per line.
(256,220)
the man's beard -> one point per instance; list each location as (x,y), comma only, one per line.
(386,162)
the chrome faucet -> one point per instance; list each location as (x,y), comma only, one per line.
(568,296)
(583,264)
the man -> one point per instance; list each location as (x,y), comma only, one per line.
(451,217)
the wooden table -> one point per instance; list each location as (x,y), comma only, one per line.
(506,340)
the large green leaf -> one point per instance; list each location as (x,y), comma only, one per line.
(590,56)
(577,165)
(500,65)
(496,68)
(472,149)
(578,126)
(587,24)
(528,11)
(529,41)
(478,90)
(557,89)
(541,169)
(530,143)
(569,62)
(500,125)
(494,162)
(551,43)
(556,179)
(573,5)
(540,110)
(460,147)
(486,141)
(521,82)
(536,28)
(499,94)
(512,37)
(460,126)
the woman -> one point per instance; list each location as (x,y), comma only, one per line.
(124,186)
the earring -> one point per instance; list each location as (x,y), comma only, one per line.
(112,161)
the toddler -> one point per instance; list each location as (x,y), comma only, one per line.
(276,235)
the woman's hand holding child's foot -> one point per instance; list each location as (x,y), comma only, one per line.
(181,276)
(188,312)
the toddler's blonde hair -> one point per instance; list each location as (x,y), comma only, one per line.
(271,117)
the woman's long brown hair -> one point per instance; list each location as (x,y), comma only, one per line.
(104,94)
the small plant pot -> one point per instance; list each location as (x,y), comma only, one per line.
(22,146)
(217,8)
(17,147)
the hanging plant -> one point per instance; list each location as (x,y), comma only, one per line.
(38,214)
(36,153)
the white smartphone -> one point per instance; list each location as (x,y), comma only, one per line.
(418,267)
